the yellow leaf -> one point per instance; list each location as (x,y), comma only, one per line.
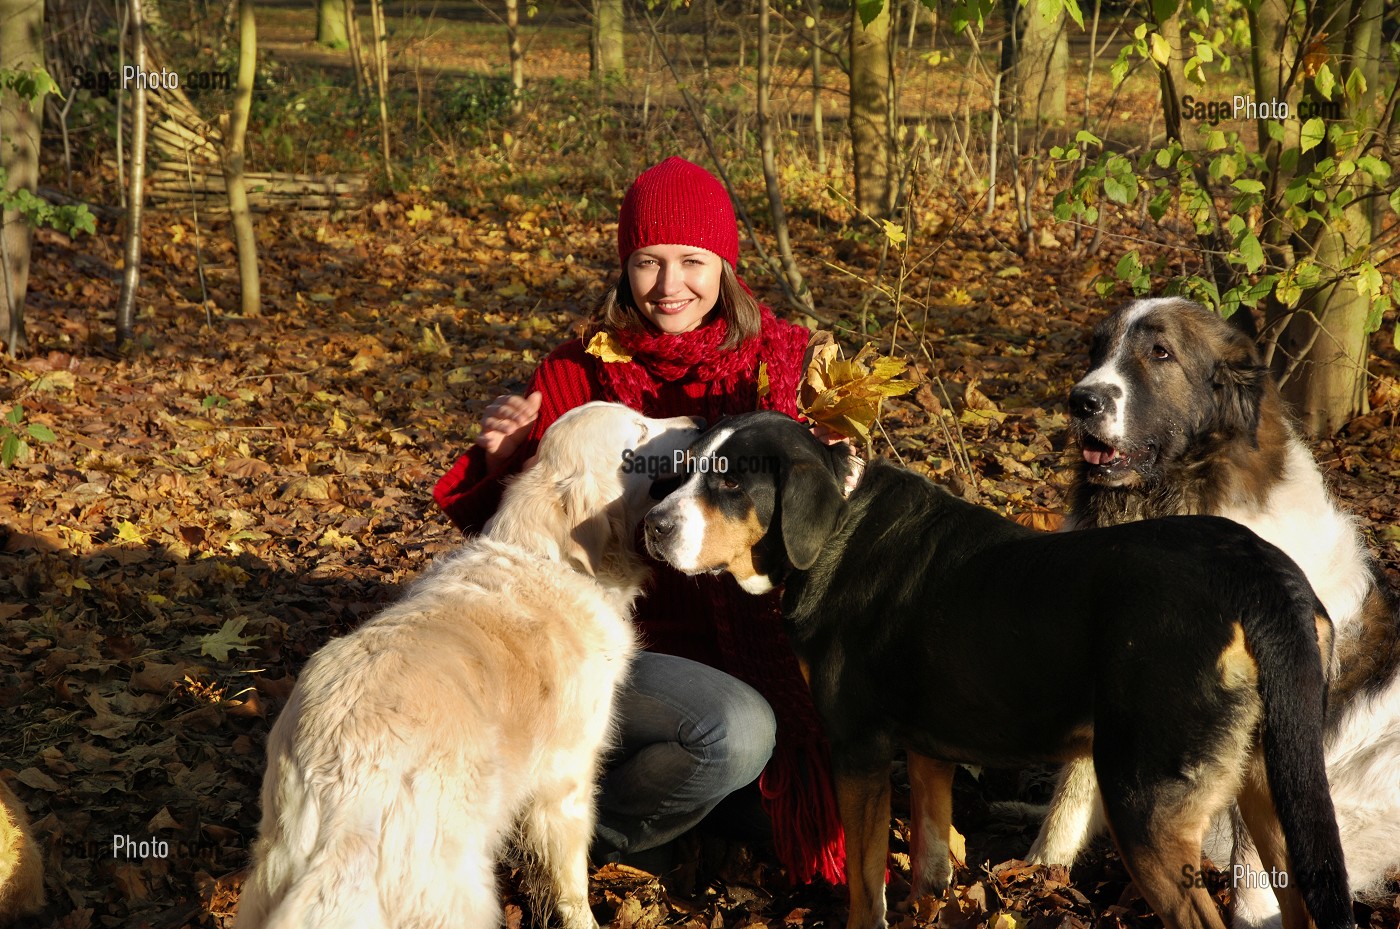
(338,424)
(1161,49)
(763,379)
(957,848)
(604,345)
(419,214)
(893,231)
(126,532)
(845,395)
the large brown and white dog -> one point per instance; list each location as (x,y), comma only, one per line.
(412,749)
(1178,416)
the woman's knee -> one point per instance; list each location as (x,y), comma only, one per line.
(747,733)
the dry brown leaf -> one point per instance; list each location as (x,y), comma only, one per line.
(845,395)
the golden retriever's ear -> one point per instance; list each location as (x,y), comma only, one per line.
(593,525)
(589,543)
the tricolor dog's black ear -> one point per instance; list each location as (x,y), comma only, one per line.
(1239,381)
(813,509)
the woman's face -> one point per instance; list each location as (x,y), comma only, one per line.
(675,286)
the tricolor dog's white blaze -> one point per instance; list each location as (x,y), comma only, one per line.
(1108,379)
(685,544)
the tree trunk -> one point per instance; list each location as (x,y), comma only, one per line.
(609,23)
(1325,348)
(131,271)
(517,57)
(357,51)
(815,6)
(332,24)
(1328,341)
(380,46)
(872,142)
(1042,64)
(21,48)
(770,161)
(243,234)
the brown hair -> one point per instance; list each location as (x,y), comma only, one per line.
(618,309)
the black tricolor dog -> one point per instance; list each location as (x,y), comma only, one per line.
(1186,654)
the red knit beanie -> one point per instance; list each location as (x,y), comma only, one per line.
(677,203)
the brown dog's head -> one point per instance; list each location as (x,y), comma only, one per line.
(757,495)
(1166,375)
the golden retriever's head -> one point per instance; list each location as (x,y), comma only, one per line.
(590,486)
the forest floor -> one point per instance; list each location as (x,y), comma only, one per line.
(220,502)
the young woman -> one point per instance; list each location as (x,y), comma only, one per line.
(716,698)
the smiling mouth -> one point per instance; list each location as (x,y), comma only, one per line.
(671,307)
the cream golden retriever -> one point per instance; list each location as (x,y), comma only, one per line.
(471,713)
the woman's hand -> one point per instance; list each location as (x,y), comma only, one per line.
(506,425)
(828,436)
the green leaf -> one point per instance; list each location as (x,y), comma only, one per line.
(229,638)
(1119,71)
(41,432)
(868,10)
(1356,85)
(1129,266)
(1252,253)
(1117,191)
(1325,82)
(1373,166)
(1085,137)
(1395,200)
(1379,305)
(1274,128)
(10,449)
(1314,131)
(1076,14)
(1246,185)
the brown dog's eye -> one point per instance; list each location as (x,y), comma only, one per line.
(728,483)
(1161,353)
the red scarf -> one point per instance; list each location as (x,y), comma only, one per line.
(730,375)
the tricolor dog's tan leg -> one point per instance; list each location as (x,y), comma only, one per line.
(864,800)
(1261,818)
(931,801)
(1157,871)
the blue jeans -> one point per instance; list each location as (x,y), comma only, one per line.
(690,735)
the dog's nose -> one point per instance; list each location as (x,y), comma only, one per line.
(699,421)
(1086,401)
(659,527)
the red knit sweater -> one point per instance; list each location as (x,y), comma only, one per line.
(704,618)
